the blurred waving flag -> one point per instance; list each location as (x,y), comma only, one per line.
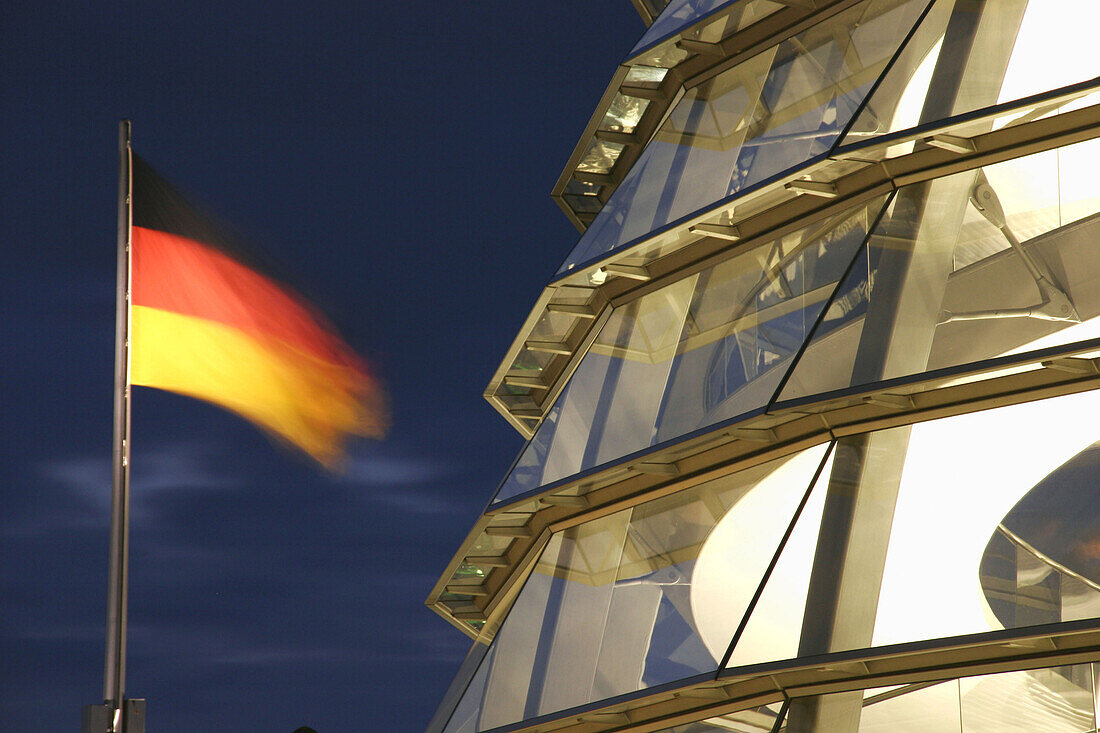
(205,324)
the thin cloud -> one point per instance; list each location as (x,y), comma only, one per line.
(403,483)
(390,470)
(413,501)
(224,644)
(82,487)
(182,465)
(41,630)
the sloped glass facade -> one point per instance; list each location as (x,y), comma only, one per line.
(1006,265)
(1053,700)
(964,525)
(764,116)
(1019,61)
(709,21)
(673,549)
(703,350)
(610,606)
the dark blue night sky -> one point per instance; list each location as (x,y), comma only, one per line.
(397,159)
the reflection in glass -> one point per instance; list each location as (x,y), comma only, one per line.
(645,76)
(611,605)
(704,349)
(464,719)
(624,113)
(766,115)
(582,196)
(676,15)
(1054,700)
(725,21)
(966,268)
(1042,565)
(963,525)
(600,157)
(958,63)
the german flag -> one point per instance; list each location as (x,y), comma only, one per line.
(203,323)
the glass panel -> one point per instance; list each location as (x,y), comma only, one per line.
(583,204)
(582,188)
(582,196)
(729,19)
(600,157)
(645,76)
(778,613)
(611,605)
(943,282)
(531,361)
(552,326)
(702,350)
(1058,699)
(624,113)
(769,114)
(964,525)
(676,15)
(464,718)
(919,708)
(1055,700)
(1008,56)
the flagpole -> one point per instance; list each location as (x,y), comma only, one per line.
(114,678)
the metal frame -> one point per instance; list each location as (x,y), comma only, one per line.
(847,176)
(773,431)
(648,9)
(783,428)
(851,173)
(700,64)
(729,690)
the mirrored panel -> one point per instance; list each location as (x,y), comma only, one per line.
(707,348)
(982,264)
(966,57)
(766,115)
(612,605)
(966,525)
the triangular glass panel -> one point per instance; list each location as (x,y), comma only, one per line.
(767,635)
(612,605)
(464,719)
(966,268)
(961,60)
(986,513)
(703,350)
(767,115)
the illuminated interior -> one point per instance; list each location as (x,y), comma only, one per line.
(673,550)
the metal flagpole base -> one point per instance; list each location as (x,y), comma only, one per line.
(99,718)
(95,719)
